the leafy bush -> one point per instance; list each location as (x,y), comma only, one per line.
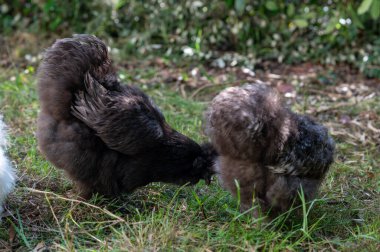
(50,15)
(288,31)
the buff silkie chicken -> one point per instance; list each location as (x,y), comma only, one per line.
(110,138)
(267,149)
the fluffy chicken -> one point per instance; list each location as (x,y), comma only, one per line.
(108,137)
(267,149)
(7,174)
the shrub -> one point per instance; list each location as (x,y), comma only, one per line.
(288,31)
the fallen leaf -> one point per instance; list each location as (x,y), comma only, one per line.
(285,88)
(370,175)
(12,234)
(41,247)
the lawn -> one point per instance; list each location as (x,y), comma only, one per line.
(44,214)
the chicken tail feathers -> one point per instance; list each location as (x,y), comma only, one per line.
(64,70)
(88,103)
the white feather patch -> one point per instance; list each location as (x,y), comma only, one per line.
(7,174)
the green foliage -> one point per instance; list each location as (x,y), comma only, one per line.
(286,31)
(373,6)
(49,15)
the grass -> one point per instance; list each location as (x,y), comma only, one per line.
(200,218)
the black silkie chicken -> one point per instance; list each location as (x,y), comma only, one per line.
(269,150)
(108,137)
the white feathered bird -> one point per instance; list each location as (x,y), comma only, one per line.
(7,174)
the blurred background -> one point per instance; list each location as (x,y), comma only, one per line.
(285,31)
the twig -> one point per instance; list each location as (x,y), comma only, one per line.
(371,127)
(336,106)
(321,92)
(79,202)
(55,217)
(202,88)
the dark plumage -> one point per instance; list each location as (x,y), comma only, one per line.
(109,138)
(268,149)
